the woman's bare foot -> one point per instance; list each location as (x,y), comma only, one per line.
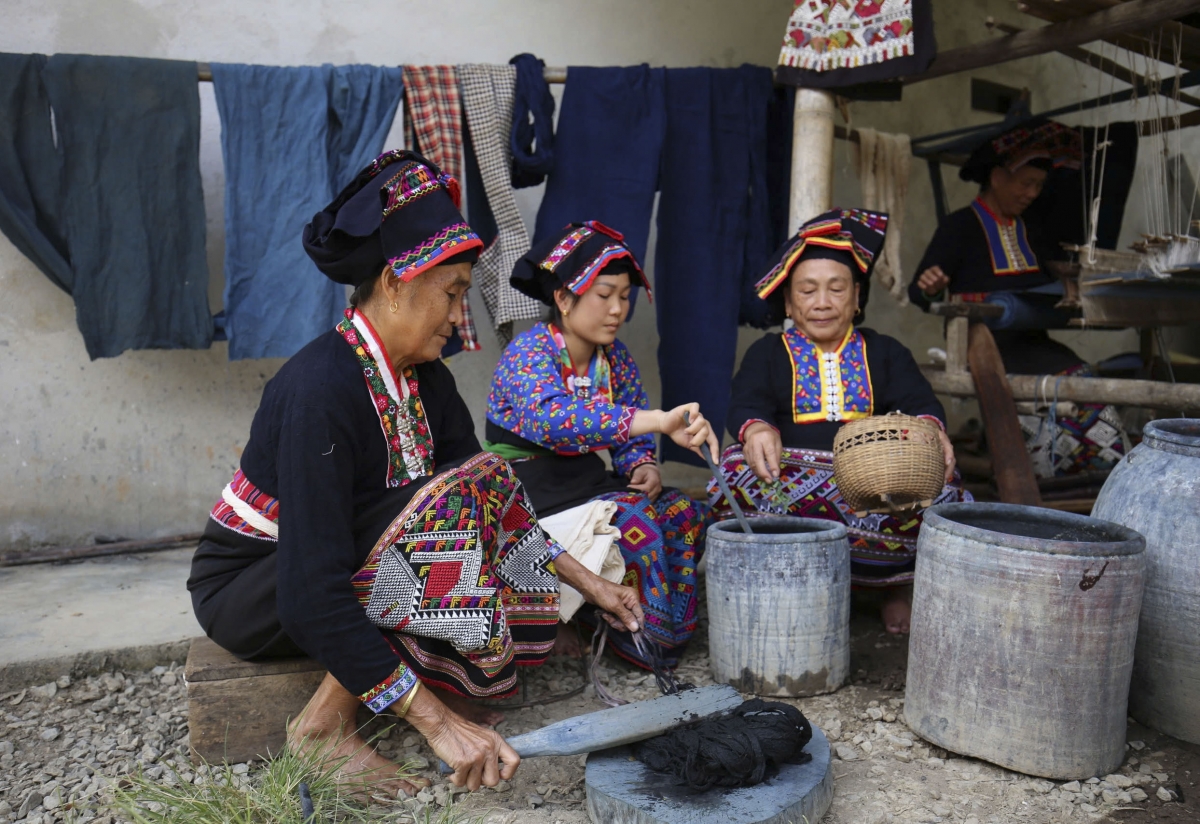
(326,729)
(896,612)
(470,710)
(567,642)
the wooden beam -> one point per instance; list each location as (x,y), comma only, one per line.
(1135,15)
(1056,11)
(974,311)
(1096,61)
(1181,397)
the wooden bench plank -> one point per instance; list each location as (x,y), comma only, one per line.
(238,710)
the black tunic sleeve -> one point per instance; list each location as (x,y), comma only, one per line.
(944,250)
(453,429)
(901,387)
(756,385)
(317,557)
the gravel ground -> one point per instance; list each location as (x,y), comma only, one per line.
(63,744)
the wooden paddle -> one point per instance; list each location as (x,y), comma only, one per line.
(1006,443)
(624,724)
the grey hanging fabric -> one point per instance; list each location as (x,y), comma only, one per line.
(113,214)
(30,168)
(488,101)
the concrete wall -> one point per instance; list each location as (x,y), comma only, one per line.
(140,445)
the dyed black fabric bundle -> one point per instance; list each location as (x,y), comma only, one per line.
(736,750)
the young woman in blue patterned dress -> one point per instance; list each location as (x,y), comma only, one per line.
(568,389)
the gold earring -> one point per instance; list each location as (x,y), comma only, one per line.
(857,311)
(395,307)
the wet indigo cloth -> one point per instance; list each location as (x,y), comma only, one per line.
(29,166)
(606,152)
(714,230)
(291,137)
(740,749)
(113,214)
(532,137)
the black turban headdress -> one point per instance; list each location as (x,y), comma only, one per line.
(573,258)
(852,237)
(401,211)
(1044,142)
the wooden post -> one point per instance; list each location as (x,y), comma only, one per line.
(1006,443)
(812,156)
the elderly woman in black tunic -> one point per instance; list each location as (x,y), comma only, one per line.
(987,248)
(365,527)
(794,391)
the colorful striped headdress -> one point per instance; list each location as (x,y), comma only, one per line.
(853,237)
(573,258)
(401,211)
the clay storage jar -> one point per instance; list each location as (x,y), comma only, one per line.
(1156,491)
(779,605)
(1023,627)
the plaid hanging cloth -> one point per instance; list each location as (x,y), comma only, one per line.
(488,99)
(435,114)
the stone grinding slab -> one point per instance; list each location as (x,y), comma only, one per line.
(622,790)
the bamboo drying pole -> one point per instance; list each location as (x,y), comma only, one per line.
(553,74)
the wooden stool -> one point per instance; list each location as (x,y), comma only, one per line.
(238,710)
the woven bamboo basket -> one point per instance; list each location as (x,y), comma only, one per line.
(889,463)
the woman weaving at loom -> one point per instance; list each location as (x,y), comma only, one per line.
(987,248)
(364,527)
(794,391)
(567,389)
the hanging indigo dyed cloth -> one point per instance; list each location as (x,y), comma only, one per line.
(114,215)
(832,44)
(532,138)
(29,169)
(291,137)
(714,230)
(606,152)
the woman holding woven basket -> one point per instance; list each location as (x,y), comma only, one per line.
(795,390)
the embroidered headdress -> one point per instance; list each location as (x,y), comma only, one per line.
(853,237)
(401,211)
(1053,144)
(574,258)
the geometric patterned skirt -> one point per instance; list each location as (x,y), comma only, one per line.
(883,548)
(662,543)
(462,581)
(1090,440)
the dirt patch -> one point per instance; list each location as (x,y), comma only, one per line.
(61,748)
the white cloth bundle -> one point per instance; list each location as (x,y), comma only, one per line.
(586,532)
(884,161)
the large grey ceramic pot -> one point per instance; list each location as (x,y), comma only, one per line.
(1023,627)
(1155,489)
(779,605)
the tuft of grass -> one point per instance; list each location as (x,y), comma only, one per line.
(269,795)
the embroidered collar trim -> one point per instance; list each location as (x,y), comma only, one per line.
(829,386)
(596,384)
(397,403)
(1007,242)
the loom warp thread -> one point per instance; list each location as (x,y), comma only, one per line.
(740,749)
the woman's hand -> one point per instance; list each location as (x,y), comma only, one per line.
(687,427)
(763,450)
(478,756)
(948,454)
(646,479)
(619,605)
(932,281)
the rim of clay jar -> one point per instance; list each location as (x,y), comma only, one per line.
(1111,538)
(1180,435)
(798,530)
